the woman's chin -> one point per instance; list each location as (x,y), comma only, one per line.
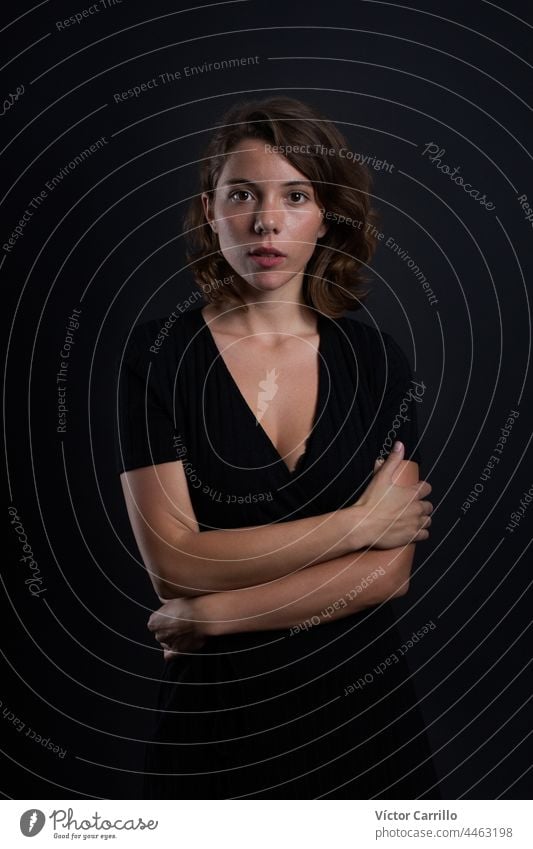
(268,281)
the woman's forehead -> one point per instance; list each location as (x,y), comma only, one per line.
(253,160)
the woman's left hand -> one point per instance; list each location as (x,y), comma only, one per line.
(174,627)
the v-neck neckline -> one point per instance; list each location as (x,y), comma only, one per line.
(258,427)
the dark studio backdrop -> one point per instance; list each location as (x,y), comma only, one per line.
(427,92)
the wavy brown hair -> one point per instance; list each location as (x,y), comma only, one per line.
(334,280)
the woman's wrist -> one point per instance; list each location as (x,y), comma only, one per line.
(356,527)
(206,611)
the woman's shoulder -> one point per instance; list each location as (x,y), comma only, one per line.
(160,339)
(377,351)
(368,338)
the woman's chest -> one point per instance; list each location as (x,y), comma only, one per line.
(240,441)
(280,387)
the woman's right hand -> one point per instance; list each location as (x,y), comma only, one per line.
(393,514)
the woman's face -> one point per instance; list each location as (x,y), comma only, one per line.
(266,216)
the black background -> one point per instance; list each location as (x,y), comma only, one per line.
(79,666)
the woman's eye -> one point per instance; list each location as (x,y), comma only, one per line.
(244,195)
(298,197)
(234,194)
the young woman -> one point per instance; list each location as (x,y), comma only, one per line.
(254,429)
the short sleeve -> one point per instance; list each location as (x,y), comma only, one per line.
(145,417)
(398,397)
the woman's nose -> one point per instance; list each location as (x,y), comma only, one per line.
(267,221)
(268,214)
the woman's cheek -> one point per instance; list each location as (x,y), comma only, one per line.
(303,227)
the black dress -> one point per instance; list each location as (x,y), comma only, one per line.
(278,713)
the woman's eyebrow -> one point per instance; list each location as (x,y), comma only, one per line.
(235,180)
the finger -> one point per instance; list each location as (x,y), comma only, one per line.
(378,464)
(393,460)
(168,654)
(162,636)
(155,622)
(424,488)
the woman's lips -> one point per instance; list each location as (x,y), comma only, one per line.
(266,261)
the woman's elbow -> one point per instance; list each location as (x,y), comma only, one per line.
(400,589)
(168,572)
(175,576)
(400,574)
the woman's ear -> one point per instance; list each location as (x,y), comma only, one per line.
(207,204)
(323,229)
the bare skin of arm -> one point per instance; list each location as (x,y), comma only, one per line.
(183,562)
(329,591)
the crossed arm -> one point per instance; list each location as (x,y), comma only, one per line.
(260,578)
(326,591)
